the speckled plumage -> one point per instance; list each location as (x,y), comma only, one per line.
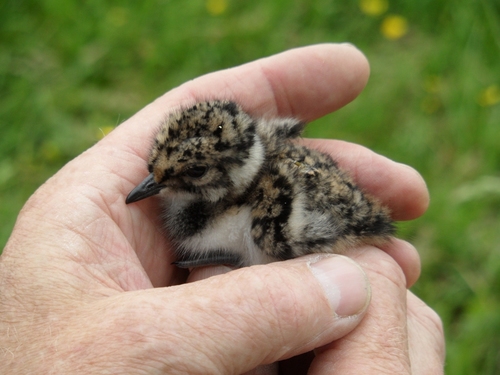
(237,190)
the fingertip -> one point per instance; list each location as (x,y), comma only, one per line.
(407,257)
(344,283)
(361,68)
(416,188)
(398,186)
(345,71)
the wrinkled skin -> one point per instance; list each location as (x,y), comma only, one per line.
(87,285)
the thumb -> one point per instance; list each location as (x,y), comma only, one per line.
(233,322)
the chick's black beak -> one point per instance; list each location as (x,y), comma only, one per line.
(147,188)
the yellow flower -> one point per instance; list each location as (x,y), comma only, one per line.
(216,7)
(489,96)
(394,27)
(104,131)
(373,7)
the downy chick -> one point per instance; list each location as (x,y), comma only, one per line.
(239,191)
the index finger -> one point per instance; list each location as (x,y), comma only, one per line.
(305,83)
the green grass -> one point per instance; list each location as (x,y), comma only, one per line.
(69,69)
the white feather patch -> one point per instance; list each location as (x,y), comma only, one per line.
(232,232)
(244,175)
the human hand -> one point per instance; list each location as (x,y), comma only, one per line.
(77,275)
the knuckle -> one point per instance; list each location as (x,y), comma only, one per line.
(387,268)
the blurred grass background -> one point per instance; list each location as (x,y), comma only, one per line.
(70,71)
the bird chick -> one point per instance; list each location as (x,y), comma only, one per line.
(239,191)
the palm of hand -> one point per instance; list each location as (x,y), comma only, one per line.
(104,240)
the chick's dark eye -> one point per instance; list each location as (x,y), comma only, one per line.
(196,171)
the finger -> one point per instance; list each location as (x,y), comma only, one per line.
(201,273)
(306,83)
(206,272)
(380,343)
(245,318)
(426,338)
(401,251)
(398,186)
(407,257)
(404,253)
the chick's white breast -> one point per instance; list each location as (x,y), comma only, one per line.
(229,232)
